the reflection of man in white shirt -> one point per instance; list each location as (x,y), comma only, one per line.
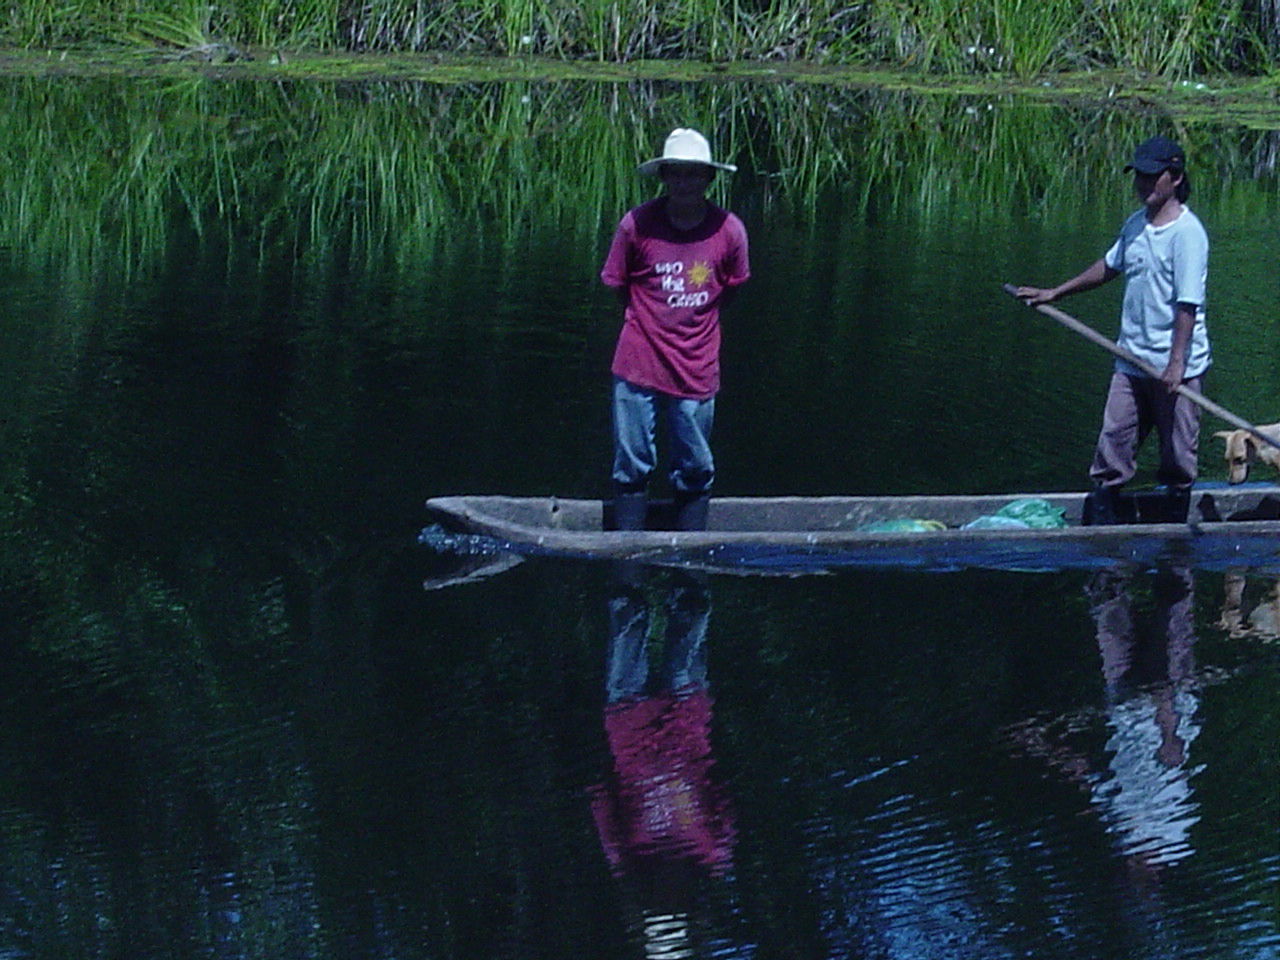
(1146,798)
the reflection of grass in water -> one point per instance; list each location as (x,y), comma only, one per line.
(390,168)
(987,158)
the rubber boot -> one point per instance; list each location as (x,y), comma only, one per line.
(1100,507)
(1177,505)
(691,511)
(629,510)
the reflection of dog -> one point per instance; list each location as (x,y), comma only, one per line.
(1262,620)
(1243,448)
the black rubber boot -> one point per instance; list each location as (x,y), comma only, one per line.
(629,510)
(1177,505)
(1101,507)
(691,511)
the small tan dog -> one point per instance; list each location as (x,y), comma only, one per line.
(1243,448)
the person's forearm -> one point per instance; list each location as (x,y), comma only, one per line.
(1095,275)
(1184,321)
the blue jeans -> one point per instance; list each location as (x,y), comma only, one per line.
(635,452)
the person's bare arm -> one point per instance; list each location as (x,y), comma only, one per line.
(1095,275)
(1184,321)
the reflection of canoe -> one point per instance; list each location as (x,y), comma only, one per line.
(1227,527)
(470,569)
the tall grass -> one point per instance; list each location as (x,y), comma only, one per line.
(36,24)
(1026,37)
(1032,35)
(1175,37)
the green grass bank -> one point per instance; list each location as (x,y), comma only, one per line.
(1024,38)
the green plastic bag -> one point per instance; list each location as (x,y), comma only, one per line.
(1035,512)
(902,525)
(996,522)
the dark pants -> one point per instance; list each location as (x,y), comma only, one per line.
(1134,406)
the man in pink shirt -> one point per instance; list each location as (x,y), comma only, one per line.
(673,262)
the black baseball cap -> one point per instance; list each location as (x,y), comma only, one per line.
(1156,156)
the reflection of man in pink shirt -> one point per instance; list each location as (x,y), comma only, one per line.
(660,800)
(664,823)
(674,262)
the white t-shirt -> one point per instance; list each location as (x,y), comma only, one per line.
(1162,266)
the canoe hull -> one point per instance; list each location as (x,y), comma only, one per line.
(805,533)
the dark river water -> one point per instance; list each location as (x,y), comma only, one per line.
(251,328)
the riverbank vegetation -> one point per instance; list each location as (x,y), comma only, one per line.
(1173,38)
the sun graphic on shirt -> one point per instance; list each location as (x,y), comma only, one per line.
(699,273)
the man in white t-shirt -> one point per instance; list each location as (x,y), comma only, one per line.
(1163,252)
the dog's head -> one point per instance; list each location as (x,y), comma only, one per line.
(1242,450)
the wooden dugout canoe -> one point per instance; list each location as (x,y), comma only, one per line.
(1227,527)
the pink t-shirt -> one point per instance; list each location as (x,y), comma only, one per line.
(670,338)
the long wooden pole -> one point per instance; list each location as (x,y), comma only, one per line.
(1199,399)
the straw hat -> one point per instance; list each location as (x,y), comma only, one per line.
(684,146)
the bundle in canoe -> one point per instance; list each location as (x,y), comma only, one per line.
(1240,523)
